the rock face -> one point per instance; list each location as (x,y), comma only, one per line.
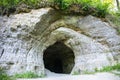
(33,41)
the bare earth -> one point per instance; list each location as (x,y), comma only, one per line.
(97,76)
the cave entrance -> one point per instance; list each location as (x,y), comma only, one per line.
(59,58)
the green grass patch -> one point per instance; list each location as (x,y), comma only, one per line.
(104,69)
(28,75)
(76,73)
(4,76)
(109,68)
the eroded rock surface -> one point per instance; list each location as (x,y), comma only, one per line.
(24,38)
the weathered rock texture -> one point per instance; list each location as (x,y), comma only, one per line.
(25,37)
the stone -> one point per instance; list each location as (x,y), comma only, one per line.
(31,41)
(103,33)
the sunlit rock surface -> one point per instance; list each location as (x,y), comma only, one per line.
(25,37)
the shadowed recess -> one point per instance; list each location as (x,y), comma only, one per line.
(59,58)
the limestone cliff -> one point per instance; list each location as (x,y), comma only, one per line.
(25,37)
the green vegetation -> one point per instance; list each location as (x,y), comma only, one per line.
(28,75)
(110,68)
(75,73)
(13,3)
(4,76)
(104,69)
(88,72)
(93,7)
(10,6)
(114,18)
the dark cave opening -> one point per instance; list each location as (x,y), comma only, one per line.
(59,58)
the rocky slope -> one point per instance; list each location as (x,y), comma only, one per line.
(24,38)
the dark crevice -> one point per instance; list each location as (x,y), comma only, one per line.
(2,53)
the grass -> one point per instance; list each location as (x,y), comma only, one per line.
(4,76)
(110,68)
(75,73)
(104,69)
(28,75)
